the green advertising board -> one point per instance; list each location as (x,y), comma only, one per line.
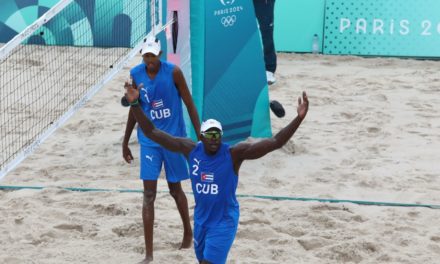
(382,27)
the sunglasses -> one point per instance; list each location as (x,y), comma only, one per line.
(212,135)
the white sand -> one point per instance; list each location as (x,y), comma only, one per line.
(372,133)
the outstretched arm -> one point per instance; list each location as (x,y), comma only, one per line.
(181,85)
(176,144)
(243,151)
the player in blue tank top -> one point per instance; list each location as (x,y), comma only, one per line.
(214,168)
(162,89)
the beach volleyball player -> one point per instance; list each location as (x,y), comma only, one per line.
(214,169)
(162,89)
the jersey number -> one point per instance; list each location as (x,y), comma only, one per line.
(195,169)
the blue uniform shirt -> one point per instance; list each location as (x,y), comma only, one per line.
(160,100)
(214,184)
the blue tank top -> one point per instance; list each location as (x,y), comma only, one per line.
(214,184)
(160,100)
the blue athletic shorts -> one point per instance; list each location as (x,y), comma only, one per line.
(213,243)
(151,159)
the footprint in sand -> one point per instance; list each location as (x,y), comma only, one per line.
(358,218)
(328,63)
(373,130)
(289,147)
(131,230)
(254,222)
(379,97)
(139,249)
(413,214)
(71,227)
(293,231)
(345,252)
(348,116)
(435,239)
(326,207)
(273,182)
(279,241)
(313,243)
(111,209)
(434,248)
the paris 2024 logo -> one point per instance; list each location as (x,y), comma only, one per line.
(228,13)
(227,2)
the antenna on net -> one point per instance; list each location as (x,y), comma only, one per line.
(153,17)
(156,17)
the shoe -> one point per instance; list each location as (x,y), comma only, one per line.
(277,108)
(270,77)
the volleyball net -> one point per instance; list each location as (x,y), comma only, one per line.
(54,66)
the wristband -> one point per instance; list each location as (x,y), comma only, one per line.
(134,103)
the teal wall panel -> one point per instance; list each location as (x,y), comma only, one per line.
(383,27)
(234,87)
(296,21)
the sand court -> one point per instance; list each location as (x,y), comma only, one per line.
(371,133)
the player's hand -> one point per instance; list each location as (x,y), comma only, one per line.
(126,154)
(131,92)
(303,106)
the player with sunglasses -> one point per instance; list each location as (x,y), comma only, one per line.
(214,168)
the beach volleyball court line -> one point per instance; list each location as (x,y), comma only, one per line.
(266,197)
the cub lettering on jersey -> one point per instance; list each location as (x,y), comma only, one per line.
(207,188)
(160,114)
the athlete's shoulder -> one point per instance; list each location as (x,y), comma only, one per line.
(238,148)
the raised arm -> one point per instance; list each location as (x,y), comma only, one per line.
(176,144)
(243,151)
(181,85)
